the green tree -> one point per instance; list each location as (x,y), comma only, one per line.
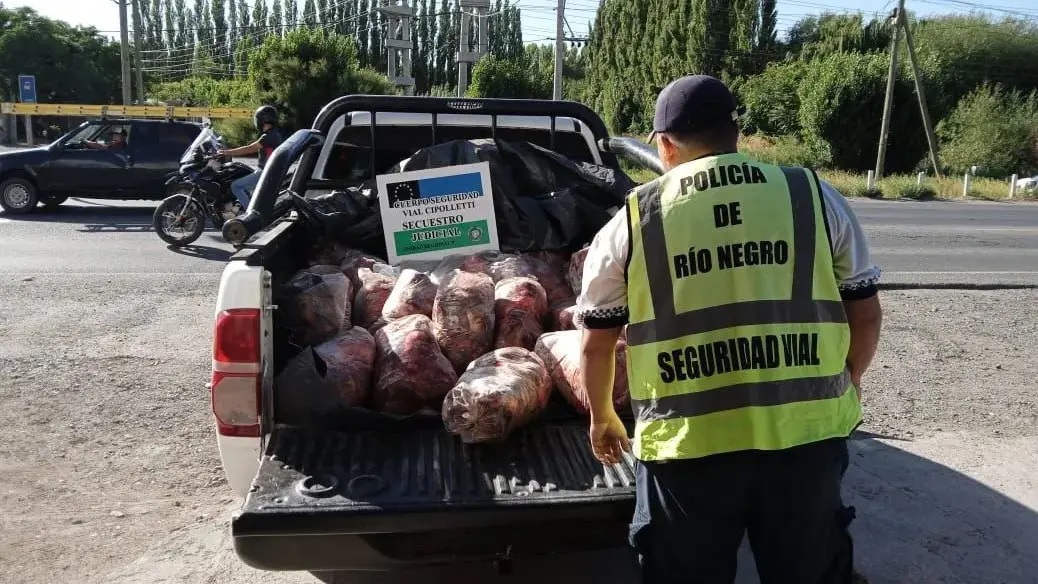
(493,76)
(327,61)
(993,128)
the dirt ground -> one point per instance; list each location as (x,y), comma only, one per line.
(109,470)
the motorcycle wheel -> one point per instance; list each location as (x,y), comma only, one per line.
(176,225)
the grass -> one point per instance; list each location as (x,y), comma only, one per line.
(787,151)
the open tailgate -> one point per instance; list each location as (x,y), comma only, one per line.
(326,500)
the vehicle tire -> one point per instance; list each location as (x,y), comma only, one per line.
(17,196)
(165,221)
(52,201)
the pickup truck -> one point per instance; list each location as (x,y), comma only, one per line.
(372,499)
(66,168)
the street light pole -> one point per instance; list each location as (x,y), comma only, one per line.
(124,37)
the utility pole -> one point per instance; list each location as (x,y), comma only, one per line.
(891,79)
(137,23)
(124,37)
(931,140)
(466,54)
(398,43)
(560,48)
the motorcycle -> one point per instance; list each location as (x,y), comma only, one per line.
(200,190)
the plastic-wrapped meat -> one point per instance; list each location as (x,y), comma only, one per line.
(371,296)
(413,293)
(317,299)
(560,352)
(556,260)
(463,317)
(318,383)
(476,264)
(353,262)
(575,274)
(552,280)
(561,314)
(411,372)
(520,306)
(349,359)
(499,393)
(504,266)
(377,325)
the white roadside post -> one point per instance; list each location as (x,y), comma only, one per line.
(919,178)
(1012,186)
(870,180)
(966,185)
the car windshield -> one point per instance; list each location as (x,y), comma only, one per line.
(205,136)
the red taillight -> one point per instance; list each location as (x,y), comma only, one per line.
(236,381)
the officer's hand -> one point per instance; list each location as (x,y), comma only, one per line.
(609,438)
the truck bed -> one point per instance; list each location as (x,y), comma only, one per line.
(375,499)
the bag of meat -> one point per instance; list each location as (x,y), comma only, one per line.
(476,264)
(353,262)
(317,304)
(552,280)
(562,313)
(499,393)
(463,317)
(413,293)
(575,275)
(318,383)
(411,373)
(371,296)
(520,306)
(560,352)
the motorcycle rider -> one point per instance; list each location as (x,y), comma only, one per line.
(266,119)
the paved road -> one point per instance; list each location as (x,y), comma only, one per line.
(959,242)
(916,242)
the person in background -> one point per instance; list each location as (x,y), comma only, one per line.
(266,119)
(750,303)
(116,141)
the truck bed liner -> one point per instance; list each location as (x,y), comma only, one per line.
(371,481)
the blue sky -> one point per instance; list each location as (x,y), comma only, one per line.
(539,15)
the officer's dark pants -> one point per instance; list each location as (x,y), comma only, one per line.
(691,515)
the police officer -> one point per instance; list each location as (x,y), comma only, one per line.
(751,311)
(266,119)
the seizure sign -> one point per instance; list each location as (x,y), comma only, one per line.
(434,213)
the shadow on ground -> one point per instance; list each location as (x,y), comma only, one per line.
(203,252)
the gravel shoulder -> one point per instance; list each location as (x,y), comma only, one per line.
(109,471)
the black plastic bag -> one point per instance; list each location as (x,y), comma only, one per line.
(543,200)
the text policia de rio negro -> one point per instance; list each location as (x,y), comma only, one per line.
(744,352)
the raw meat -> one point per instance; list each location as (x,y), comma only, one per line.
(349,359)
(371,296)
(498,393)
(317,299)
(476,264)
(556,260)
(353,262)
(377,325)
(575,274)
(560,352)
(561,314)
(504,266)
(316,385)
(555,286)
(413,293)
(463,317)
(520,306)
(411,373)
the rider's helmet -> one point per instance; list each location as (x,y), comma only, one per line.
(266,114)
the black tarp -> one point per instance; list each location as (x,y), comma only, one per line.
(543,200)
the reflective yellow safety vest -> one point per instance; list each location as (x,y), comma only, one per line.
(737,338)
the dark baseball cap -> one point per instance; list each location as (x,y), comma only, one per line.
(693,103)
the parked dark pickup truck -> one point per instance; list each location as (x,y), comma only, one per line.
(363,499)
(68,168)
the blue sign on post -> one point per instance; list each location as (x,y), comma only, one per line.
(27,88)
